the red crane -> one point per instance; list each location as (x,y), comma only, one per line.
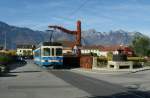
(76,32)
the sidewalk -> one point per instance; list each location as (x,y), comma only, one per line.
(122,70)
(110,71)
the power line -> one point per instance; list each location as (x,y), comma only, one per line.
(73,12)
(65,18)
(79,8)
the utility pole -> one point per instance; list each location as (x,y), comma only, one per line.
(5,43)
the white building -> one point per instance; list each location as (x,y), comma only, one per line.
(67,47)
(67,50)
(104,53)
(100,50)
(90,49)
(24,50)
(114,49)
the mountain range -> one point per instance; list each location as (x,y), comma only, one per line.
(14,35)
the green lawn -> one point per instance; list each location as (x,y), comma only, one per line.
(5,59)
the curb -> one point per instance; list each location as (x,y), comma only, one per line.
(106,71)
(98,71)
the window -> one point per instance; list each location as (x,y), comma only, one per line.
(46,51)
(24,52)
(37,53)
(58,52)
(29,52)
(111,66)
(124,67)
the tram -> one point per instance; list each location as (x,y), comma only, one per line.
(49,54)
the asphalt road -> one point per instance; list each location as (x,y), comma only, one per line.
(30,81)
(98,88)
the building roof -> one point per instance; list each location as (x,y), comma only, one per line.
(51,44)
(111,48)
(92,47)
(107,48)
(25,46)
(67,48)
(115,48)
(67,43)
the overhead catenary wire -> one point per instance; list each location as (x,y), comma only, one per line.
(78,8)
(73,12)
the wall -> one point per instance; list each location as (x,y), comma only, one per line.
(86,62)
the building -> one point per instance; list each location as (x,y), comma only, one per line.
(90,49)
(126,50)
(104,50)
(67,47)
(25,50)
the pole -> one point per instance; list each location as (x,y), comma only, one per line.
(78,36)
(50,34)
(5,43)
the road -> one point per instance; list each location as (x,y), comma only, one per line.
(31,81)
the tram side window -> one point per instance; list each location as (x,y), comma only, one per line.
(58,52)
(46,51)
(37,53)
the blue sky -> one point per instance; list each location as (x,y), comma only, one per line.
(102,15)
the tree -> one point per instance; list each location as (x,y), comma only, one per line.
(141,45)
(109,56)
(148,53)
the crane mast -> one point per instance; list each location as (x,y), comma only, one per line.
(76,32)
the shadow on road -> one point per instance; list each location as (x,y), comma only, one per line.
(17,64)
(7,75)
(13,66)
(99,88)
(129,94)
(25,71)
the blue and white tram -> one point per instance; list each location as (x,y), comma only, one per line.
(48,54)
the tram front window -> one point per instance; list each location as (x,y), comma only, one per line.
(58,52)
(46,52)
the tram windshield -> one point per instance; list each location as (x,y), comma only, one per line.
(58,51)
(46,52)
